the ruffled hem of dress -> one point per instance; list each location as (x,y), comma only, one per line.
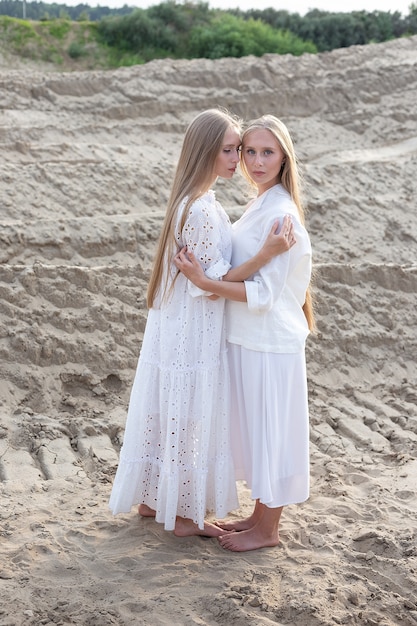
(216,492)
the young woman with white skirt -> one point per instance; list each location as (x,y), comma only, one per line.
(268,318)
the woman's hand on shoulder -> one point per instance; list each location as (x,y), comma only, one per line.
(280,239)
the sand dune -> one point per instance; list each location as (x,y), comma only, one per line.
(87,160)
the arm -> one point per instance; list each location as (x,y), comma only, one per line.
(276,243)
(232,286)
(202,236)
(191,268)
(263,290)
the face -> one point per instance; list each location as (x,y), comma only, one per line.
(263,157)
(228,157)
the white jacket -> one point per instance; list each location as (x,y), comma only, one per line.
(272,319)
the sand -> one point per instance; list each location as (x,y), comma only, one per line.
(86,164)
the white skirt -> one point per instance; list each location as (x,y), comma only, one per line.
(176,454)
(270,424)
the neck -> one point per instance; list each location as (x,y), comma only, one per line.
(263,188)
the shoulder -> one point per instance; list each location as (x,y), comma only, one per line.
(278,201)
(279,194)
(206,206)
(277,204)
(203,205)
(208,199)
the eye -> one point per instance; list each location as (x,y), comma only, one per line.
(267,152)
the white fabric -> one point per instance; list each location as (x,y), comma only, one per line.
(272,320)
(176,455)
(270,426)
(266,342)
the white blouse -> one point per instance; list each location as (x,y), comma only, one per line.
(272,319)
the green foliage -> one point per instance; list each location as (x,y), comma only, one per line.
(83,17)
(332,31)
(41,10)
(76,50)
(337,30)
(231,36)
(127,36)
(51,54)
(412,19)
(160,31)
(58,28)
(126,33)
(192,31)
(18,35)
(51,41)
(115,59)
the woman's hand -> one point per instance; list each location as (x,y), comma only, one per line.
(279,240)
(190,267)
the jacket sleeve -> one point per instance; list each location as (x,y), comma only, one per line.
(268,284)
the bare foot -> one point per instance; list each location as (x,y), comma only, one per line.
(238,525)
(251,539)
(146,511)
(188,528)
(245,523)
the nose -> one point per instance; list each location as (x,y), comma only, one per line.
(258,158)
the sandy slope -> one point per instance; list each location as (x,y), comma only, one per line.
(87,160)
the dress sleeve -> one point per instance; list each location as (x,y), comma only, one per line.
(202,234)
(268,283)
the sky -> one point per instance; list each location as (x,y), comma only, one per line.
(293,6)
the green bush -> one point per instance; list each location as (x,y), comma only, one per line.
(76,50)
(58,28)
(160,31)
(230,36)
(130,32)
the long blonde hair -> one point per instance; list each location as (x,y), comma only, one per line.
(194,176)
(289,177)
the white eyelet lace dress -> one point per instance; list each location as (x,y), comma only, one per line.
(176,455)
